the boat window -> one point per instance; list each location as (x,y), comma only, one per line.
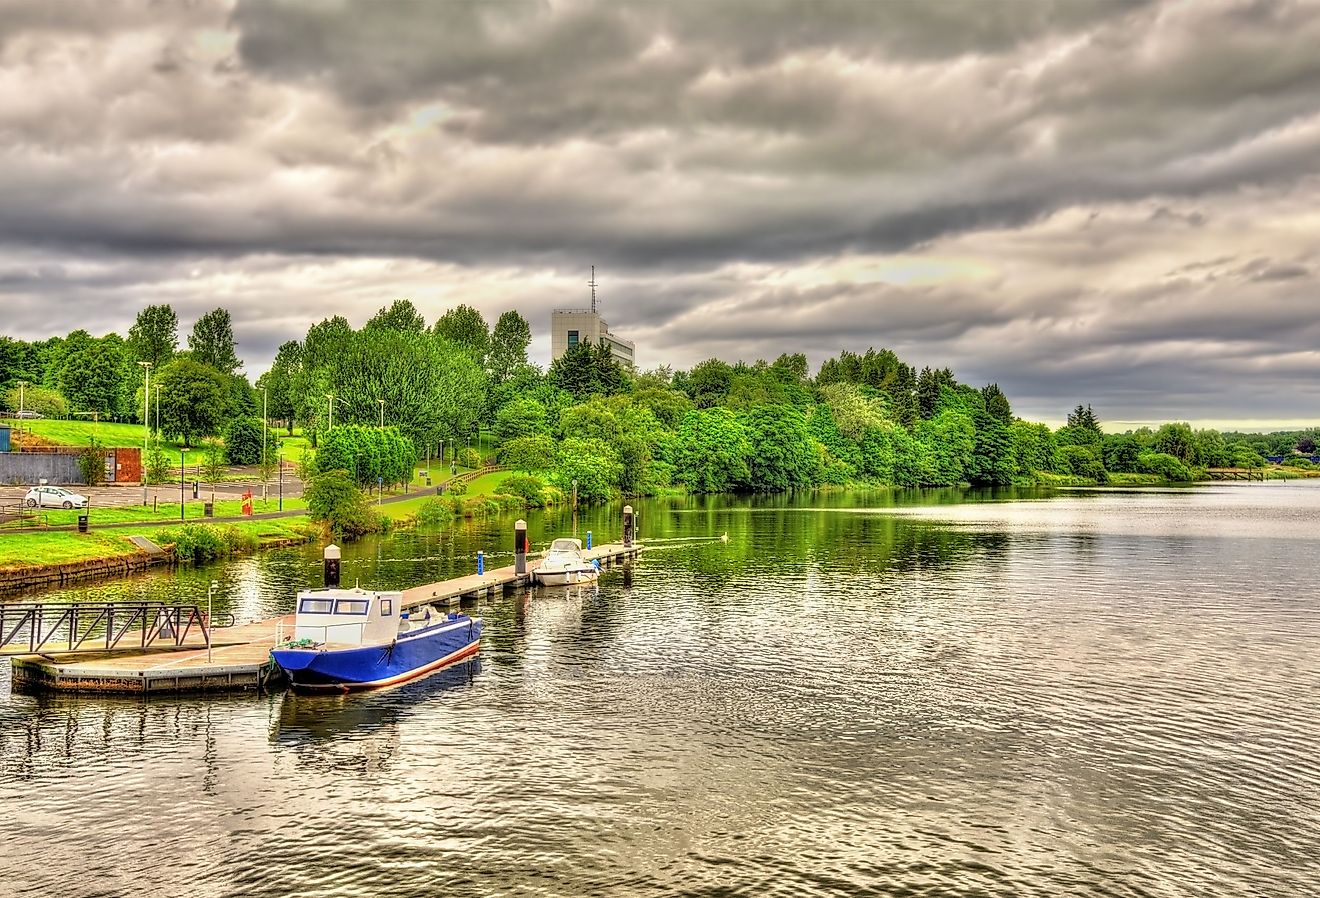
(316,606)
(351,606)
(386,607)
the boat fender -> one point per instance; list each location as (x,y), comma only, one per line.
(596,563)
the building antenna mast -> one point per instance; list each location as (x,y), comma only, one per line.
(592,284)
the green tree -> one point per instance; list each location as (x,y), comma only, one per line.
(711,451)
(213,461)
(401,316)
(154,336)
(192,400)
(243,441)
(45,402)
(279,381)
(212,342)
(333,499)
(464,327)
(1177,440)
(585,370)
(532,453)
(1120,452)
(520,417)
(92,378)
(781,454)
(592,464)
(1033,447)
(708,383)
(1081,461)
(930,385)
(508,347)
(948,440)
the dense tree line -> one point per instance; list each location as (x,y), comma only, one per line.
(590,421)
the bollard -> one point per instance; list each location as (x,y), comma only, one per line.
(520,547)
(331,556)
(194,489)
(627,526)
(481,563)
(588,539)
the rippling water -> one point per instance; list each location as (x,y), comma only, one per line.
(1090,693)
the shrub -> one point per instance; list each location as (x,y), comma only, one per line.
(1081,461)
(333,499)
(213,461)
(1164,466)
(469,458)
(243,441)
(457,488)
(528,488)
(157,464)
(205,542)
(91,464)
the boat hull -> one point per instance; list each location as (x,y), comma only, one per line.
(371,666)
(566,578)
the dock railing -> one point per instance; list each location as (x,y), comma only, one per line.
(31,629)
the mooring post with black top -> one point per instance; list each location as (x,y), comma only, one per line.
(627,526)
(520,547)
(331,556)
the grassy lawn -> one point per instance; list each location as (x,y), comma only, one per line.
(487,484)
(164,513)
(401,510)
(35,549)
(80,433)
(38,548)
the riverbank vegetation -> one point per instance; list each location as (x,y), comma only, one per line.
(376,401)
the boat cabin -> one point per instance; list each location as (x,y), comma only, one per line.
(348,616)
(566,548)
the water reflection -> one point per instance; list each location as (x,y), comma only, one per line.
(994,693)
(359,732)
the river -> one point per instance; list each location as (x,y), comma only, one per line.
(1014,693)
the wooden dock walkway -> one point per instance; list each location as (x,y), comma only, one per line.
(240,655)
(1235,474)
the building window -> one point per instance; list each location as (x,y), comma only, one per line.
(572,338)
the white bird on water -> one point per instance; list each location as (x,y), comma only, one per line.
(725,537)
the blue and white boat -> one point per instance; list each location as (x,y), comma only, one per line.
(348,639)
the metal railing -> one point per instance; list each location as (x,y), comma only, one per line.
(29,629)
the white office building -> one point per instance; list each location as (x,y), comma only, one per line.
(569,327)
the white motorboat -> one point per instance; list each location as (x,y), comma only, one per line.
(564,565)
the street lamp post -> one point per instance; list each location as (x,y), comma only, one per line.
(146,422)
(22,385)
(382,413)
(331,404)
(264,457)
(182,449)
(158,410)
(279,456)
(209,592)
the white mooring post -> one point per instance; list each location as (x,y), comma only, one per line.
(627,526)
(520,547)
(331,566)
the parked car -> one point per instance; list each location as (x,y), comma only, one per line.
(54,497)
(27,414)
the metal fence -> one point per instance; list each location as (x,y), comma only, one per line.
(29,629)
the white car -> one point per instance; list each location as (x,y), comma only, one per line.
(53,497)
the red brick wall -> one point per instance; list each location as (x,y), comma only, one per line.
(128,464)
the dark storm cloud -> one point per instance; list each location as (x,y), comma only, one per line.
(1093,195)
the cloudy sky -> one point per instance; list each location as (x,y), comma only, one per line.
(1105,202)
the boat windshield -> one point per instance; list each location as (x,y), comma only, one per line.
(566,545)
